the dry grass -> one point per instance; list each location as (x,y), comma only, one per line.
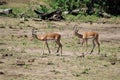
(21,57)
(71,66)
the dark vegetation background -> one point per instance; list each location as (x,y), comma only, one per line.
(21,56)
(85,7)
(109,6)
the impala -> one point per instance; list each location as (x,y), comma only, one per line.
(88,35)
(47,37)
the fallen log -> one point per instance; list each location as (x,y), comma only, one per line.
(55,15)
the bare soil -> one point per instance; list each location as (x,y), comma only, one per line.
(21,56)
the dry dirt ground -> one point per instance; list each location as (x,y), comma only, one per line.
(21,56)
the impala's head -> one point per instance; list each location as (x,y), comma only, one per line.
(75,29)
(33,32)
(80,36)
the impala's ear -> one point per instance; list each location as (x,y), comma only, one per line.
(75,28)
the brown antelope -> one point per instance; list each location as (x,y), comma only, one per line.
(88,35)
(46,37)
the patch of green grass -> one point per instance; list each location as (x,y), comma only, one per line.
(3,50)
(26,66)
(85,71)
(38,43)
(50,63)
(20,78)
(15,7)
(20,8)
(76,74)
(91,18)
(7,52)
(82,18)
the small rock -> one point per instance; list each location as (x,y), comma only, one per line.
(112,63)
(31,60)
(1,62)
(1,73)
(20,62)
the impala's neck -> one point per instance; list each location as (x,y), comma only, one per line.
(39,37)
(78,35)
(34,35)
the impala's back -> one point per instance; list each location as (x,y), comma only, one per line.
(90,35)
(53,36)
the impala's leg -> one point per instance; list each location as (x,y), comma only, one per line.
(98,45)
(59,46)
(58,43)
(93,46)
(83,40)
(47,46)
(82,43)
(86,44)
(43,47)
